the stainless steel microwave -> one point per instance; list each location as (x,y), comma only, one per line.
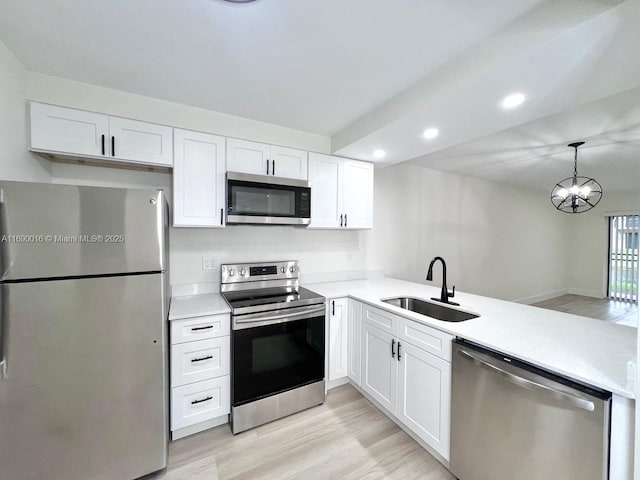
(261,199)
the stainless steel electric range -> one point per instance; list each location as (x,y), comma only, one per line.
(277,342)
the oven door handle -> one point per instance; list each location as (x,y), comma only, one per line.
(260,319)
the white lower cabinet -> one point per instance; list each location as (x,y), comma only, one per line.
(337,346)
(424,396)
(379,367)
(200,373)
(198,402)
(195,361)
(354,340)
(411,380)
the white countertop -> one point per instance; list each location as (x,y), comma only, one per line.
(197,306)
(592,351)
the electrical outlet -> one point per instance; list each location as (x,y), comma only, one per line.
(208,263)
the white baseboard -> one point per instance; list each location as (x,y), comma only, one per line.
(199,427)
(542,296)
(336,383)
(586,293)
(558,293)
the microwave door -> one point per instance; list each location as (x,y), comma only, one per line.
(267,203)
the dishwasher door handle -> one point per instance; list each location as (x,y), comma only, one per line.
(574,400)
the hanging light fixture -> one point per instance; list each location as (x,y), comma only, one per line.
(576,194)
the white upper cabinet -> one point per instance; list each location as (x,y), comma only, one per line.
(256,158)
(248,157)
(325,173)
(341,192)
(198,179)
(141,142)
(358,194)
(68,131)
(289,163)
(78,133)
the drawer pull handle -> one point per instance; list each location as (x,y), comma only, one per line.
(201,359)
(195,402)
(196,329)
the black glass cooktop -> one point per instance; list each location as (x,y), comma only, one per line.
(270,298)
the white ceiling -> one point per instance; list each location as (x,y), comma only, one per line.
(314,65)
(536,155)
(373,74)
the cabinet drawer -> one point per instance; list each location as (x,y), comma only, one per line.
(385,321)
(196,361)
(428,339)
(199,402)
(199,328)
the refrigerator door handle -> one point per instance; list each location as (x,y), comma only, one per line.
(573,400)
(4,332)
(4,306)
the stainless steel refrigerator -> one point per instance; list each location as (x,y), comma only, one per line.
(83,307)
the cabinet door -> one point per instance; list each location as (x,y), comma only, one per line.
(198,179)
(354,340)
(424,397)
(325,175)
(140,142)
(65,130)
(247,157)
(358,194)
(289,163)
(338,338)
(379,366)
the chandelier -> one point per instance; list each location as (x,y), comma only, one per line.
(576,194)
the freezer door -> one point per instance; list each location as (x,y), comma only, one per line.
(49,231)
(511,423)
(85,391)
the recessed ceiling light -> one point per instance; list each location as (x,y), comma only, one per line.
(430,133)
(379,153)
(514,100)
(240,1)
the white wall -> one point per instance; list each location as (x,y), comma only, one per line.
(498,240)
(587,256)
(16,163)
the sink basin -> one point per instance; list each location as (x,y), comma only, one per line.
(429,309)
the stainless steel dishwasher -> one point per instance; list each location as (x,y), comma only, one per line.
(511,420)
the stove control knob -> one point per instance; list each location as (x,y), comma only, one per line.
(242,272)
(283,269)
(292,269)
(232,272)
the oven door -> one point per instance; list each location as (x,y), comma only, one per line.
(280,352)
(255,199)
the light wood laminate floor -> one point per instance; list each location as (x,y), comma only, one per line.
(346,438)
(622,313)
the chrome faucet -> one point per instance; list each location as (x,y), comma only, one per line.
(445,295)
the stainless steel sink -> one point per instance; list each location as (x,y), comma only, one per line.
(429,309)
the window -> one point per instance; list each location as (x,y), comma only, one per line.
(623,257)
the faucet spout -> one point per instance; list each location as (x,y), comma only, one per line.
(444,293)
